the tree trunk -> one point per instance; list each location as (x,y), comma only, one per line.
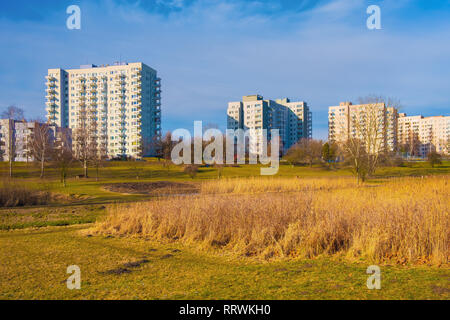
(63,176)
(42,169)
(10,168)
(85,169)
(42,164)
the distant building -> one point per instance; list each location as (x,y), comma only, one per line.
(419,135)
(20,135)
(120,106)
(293,119)
(348,121)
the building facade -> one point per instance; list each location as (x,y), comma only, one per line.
(16,138)
(419,135)
(118,107)
(356,121)
(254,113)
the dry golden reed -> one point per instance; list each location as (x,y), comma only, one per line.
(403,221)
(274,184)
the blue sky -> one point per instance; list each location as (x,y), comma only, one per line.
(210,52)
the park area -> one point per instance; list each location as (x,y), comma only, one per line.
(151,230)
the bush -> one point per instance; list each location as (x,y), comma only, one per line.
(434,158)
(17,195)
(191,170)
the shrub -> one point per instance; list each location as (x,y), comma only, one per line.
(16,195)
(191,170)
(434,158)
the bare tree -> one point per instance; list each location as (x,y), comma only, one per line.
(82,149)
(411,144)
(12,113)
(368,134)
(355,153)
(166,146)
(97,159)
(62,154)
(11,146)
(40,144)
(305,151)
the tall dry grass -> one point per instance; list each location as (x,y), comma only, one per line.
(274,184)
(403,221)
(14,194)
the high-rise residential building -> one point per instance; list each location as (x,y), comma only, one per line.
(117,106)
(353,121)
(17,136)
(254,113)
(419,135)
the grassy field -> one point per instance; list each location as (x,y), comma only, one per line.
(91,191)
(34,266)
(39,242)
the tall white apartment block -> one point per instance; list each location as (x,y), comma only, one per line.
(253,113)
(419,135)
(349,121)
(120,104)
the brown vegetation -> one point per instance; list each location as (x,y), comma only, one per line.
(155,188)
(16,195)
(403,221)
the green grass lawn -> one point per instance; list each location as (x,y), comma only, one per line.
(34,266)
(90,191)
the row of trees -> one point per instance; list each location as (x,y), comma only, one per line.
(310,151)
(47,144)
